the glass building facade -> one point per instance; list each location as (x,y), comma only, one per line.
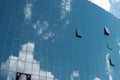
(38,41)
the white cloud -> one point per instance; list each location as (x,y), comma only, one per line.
(74,74)
(96,78)
(24,64)
(43,30)
(112,6)
(109,70)
(115,0)
(105,4)
(65,7)
(115,8)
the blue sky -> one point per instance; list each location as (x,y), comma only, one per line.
(44,32)
(112,6)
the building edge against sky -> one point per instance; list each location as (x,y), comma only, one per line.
(38,38)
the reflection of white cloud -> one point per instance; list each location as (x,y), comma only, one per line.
(96,78)
(66,7)
(42,29)
(118,43)
(119,52)
(109,70)
(23,63)
(28,11)
(48,35)
(66,23)
(74,74)
(112,6)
